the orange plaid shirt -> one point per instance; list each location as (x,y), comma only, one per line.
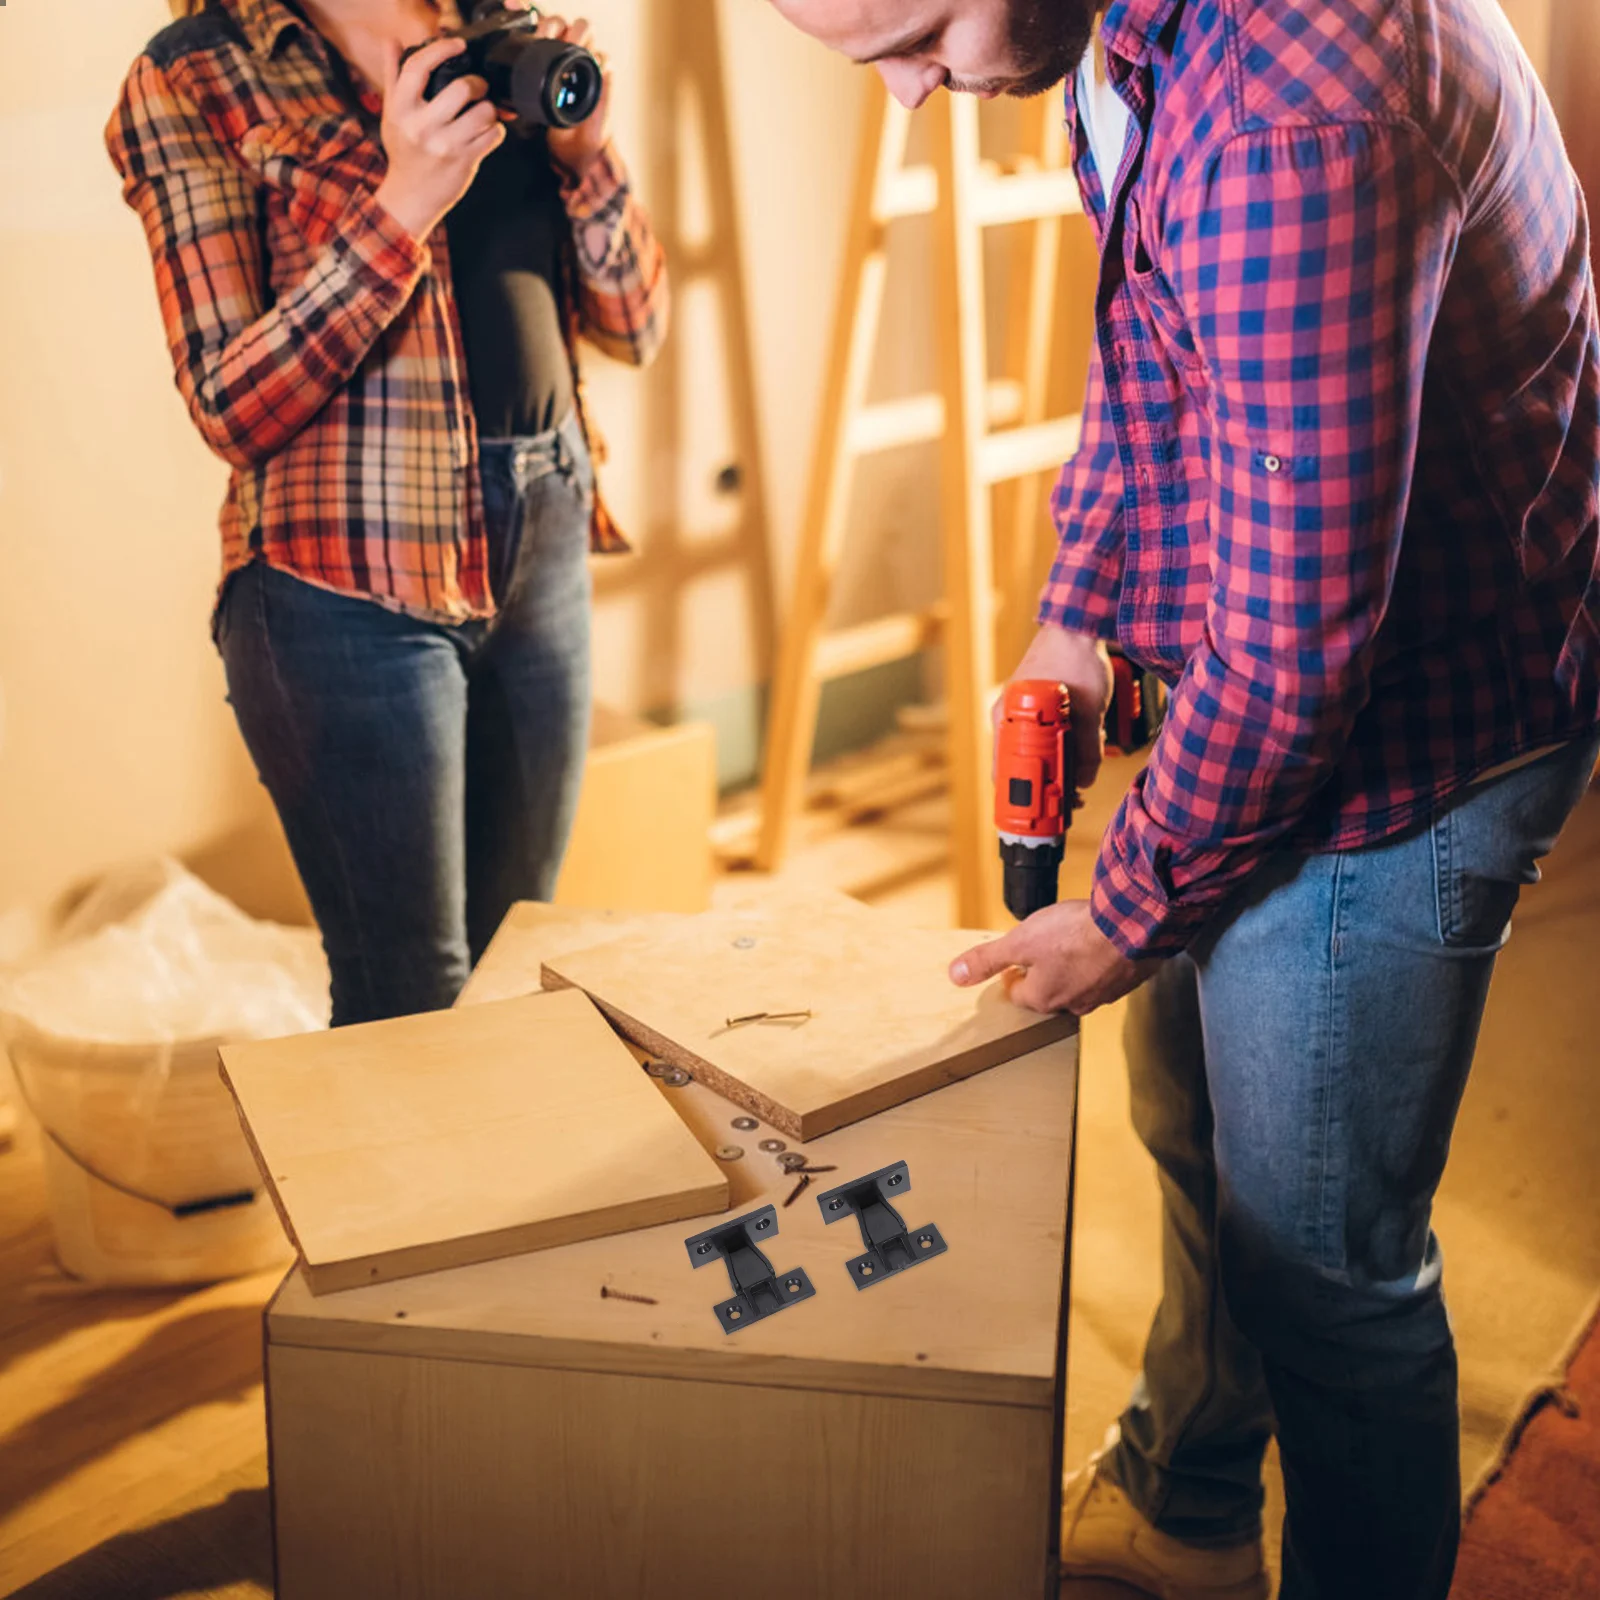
(316,343)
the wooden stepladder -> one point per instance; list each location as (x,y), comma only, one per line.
(991,433)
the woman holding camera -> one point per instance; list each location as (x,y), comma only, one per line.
(371,298)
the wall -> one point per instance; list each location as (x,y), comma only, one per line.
(115,739)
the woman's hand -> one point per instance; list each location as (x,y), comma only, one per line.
(434,146)
(575,149)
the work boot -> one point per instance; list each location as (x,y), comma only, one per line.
(1104,1536)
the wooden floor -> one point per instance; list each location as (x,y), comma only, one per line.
(132,1433)
(117,1409)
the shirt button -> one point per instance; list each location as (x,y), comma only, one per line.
(1272,463)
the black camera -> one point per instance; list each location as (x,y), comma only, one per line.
(545,82)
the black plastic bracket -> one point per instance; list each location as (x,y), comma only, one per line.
(891,1246)
(757,1290)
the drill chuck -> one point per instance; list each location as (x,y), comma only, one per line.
(1031,873)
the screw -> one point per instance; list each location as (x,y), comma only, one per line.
(896,1180)
(607,1293)
(763,1224)
(702,1249)
(798,1190)
(836,1205)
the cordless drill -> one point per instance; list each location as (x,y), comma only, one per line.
(1033,790)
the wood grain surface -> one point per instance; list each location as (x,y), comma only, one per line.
(885,1023)
(990,1163)
(466,1480)
(422,1143)
(534,932)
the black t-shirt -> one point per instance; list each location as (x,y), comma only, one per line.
(507,234)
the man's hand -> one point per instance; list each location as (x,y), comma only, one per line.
(576,148)
(1083,664)
(1067,963)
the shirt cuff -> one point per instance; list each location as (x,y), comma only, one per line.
(1081,609)
(1132,902)
(598,188)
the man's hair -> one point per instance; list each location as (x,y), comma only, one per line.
(186,8)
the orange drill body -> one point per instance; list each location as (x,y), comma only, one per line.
(1033,790)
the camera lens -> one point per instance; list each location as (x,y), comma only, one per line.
(574,89)
(552,82)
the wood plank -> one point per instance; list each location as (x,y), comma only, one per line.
(421,1143)
(965,510)
(653,856)
(534,932)
(886,1023)
(796,688)
(443,1480)
(989,1160)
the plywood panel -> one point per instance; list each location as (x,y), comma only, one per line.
(990,1160)
(425,1142)
(886,1024)
(534,932)
(441,1480)
(642,835)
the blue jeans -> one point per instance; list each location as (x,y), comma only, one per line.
(1296,1076)
(426,775)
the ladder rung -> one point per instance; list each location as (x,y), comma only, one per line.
(1020,452)
(1026,197)
(892,423)
(911,192)
(919,418)
(872,644)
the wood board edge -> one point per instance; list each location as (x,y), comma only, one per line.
(412,1261)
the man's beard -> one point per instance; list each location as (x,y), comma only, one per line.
(1048,40)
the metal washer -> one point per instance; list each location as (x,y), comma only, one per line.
(729,1152)
(791,1160)
(771,1146)
(745,1124)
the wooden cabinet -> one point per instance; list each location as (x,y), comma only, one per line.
(575,1424)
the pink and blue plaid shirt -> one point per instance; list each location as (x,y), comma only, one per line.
(1341,455)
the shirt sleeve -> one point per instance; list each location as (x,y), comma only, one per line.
(622,269)
(1085,582)
(1309,262)
(251,373)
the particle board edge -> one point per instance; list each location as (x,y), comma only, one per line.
(261,1164)
(289,1330)
(937,1075)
